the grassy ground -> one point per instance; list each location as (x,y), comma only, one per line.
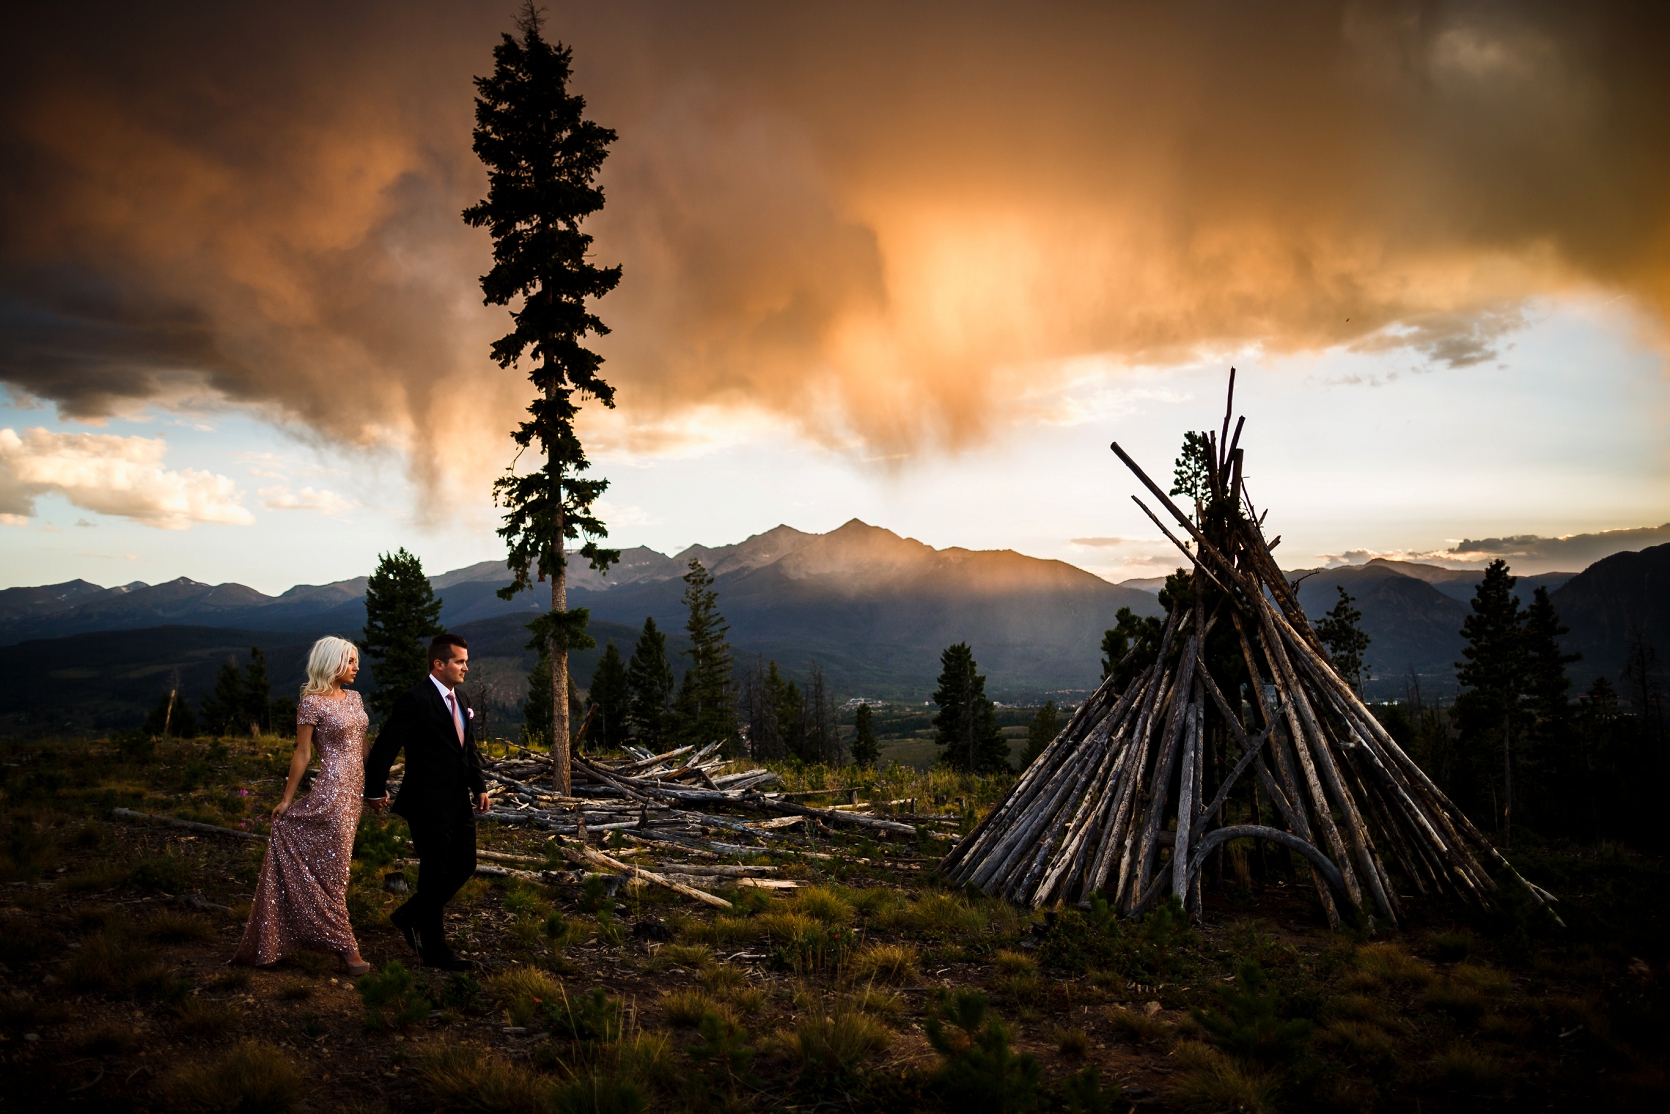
(874,987)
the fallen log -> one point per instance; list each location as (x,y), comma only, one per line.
(585,856)
(184,825)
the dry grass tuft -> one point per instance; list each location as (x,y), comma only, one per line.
(253,1078)
(685,1008)
(1482,979)
(877,1002)
(315,963)
(523,991)
(889,964)
(107,1038)
(1382,965)
(1138,1026)
(693,956)
(823,905)
(1072,1043)
(196,1017)
(170,926)
(838,1044)
(1467,1069)
(1209,1080)
(721,978)
(1014,963)
(461,1078)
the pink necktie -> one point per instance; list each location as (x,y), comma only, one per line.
(452,702)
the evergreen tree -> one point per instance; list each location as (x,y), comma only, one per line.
(402,613)
(177,723)
(536,710)
(1191,475)
(1551,767)
(706,712)
(257,692)
(1130,629)
(864,750)
(649,676)
(788,708)
(542,157)
(823,736)
(966,725)
(1489,710)
(1041,732)
(223,707)
(611,695)
(1341,629)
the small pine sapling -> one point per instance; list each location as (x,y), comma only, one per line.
(1248,1026)
(978,1073)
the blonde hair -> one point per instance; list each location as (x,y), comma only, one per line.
(325,663)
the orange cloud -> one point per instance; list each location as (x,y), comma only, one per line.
(881,225)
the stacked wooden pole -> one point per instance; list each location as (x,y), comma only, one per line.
(1127,781)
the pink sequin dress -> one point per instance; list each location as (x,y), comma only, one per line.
(301,897)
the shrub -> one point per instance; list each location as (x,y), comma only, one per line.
(391,998)
(891,964)
(693,956)
(1014,963)
(942,917)
(1382,965)
(1248,1026)
(818,950)
(721,977)
(719,1062)
(253,1078)
(978,1072)
(1083,1093)
(1152,949)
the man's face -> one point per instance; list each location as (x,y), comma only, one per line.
(452,671)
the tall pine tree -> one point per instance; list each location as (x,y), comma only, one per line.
(1489,709)
(402,613)
(1041,732)
(649,676)
(542,157)
(966,725)
(611,697)
(536,709)
(258,691)
(1551,766)
(705,710)
(864,750)
(224,707)
(1342,630)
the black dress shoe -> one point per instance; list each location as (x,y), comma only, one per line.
(413,939)
(447,961)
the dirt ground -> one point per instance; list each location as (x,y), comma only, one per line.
(846,993)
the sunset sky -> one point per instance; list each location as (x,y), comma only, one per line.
(914,264)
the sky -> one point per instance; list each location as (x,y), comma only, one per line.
(914,265)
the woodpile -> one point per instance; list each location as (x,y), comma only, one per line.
(1241,728)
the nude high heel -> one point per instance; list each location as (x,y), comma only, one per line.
(355,968)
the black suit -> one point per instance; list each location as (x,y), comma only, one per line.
(436,798)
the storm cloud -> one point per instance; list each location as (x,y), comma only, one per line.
(875,223)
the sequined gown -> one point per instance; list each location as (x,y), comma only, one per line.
(301,897)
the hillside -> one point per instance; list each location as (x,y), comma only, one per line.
(1611,602)
(874,608)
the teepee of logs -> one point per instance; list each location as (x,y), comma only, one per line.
(1240,714)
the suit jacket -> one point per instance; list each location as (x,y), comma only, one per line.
(441,776)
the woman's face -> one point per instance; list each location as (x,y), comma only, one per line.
(350,670)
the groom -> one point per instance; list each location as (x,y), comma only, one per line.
(431,721)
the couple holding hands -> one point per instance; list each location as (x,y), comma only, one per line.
(301,897)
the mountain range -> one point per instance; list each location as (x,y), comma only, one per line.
(872,608)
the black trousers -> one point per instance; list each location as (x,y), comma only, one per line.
(445,846)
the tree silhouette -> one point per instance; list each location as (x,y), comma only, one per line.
(1341,629)
(966,725)
(402,613)
(649,677)
(542,157)
(864,749)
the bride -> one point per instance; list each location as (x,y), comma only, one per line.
(301,897)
